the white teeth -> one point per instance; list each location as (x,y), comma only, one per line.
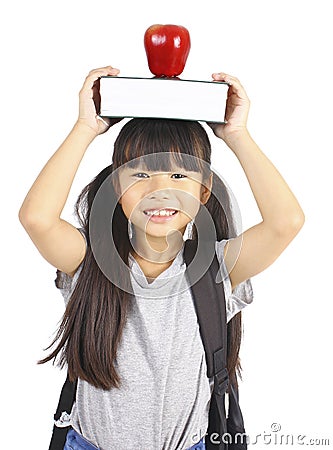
(162,212)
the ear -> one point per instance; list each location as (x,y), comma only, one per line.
(116,187)
(206,189)
(120,197)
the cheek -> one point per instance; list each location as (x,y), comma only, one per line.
(129,203)
(190,201)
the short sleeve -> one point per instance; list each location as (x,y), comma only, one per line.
(64,282)
(242,295)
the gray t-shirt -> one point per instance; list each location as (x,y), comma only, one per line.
(164,399)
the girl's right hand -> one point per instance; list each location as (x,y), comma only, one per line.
(90,100)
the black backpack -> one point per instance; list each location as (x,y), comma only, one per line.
(225,431)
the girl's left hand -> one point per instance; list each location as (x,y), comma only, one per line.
(237,109)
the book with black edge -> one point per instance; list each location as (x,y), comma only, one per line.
(169,98)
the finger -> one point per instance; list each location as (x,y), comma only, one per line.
(106,68)
(234,83)
(106,121)
(97,73)
(222,76)
(214,125)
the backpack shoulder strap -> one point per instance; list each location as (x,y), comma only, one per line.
(61,427)
(209,301)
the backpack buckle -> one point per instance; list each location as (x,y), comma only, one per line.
(221,381)
(64,420)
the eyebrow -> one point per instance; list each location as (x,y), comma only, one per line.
(180,169)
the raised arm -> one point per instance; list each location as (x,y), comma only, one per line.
(282,217)
(59,242)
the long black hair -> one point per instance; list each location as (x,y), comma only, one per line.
(95,316)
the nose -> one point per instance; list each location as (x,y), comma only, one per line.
(159,187)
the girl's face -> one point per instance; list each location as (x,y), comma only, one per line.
(161,202)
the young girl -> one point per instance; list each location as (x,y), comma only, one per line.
(130,333)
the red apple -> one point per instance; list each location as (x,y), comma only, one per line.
(167,48)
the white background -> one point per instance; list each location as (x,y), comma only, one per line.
(282,53)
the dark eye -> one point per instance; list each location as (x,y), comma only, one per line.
(179,175)
(139,175)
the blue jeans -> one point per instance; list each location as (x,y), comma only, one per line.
(75,441)
(198,446)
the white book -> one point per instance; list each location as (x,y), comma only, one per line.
(163,98)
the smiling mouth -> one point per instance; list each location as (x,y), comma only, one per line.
(165,212)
